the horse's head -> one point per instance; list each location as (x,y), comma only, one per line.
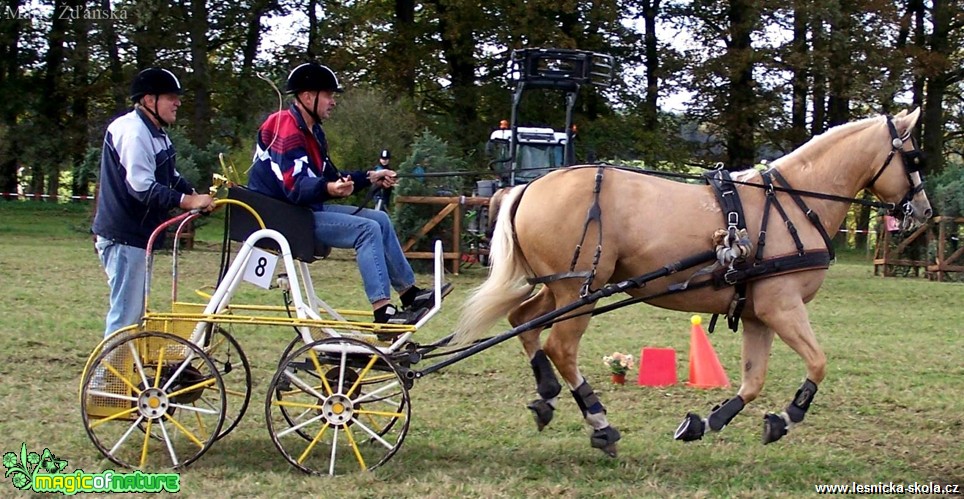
(903,185)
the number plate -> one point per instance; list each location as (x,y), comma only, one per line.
(260,268)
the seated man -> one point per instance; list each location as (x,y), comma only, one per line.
(291,163)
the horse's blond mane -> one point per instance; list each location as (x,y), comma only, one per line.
(820,144)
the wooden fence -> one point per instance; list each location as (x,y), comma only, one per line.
(448,206)
(889,258)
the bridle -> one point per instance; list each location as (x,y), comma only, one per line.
(913,162)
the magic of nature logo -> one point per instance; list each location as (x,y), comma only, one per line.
(45,472)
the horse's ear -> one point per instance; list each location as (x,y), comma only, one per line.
(901,114)
(905,121)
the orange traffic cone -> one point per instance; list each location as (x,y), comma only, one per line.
(657,367)
(705,368)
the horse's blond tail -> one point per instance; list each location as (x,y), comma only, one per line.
(505,287)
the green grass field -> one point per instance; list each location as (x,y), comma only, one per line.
(890,410)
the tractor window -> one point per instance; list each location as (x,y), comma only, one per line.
(498,153)
(534,157)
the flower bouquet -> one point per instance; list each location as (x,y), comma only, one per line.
(619,364)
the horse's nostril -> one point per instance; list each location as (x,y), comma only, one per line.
(928,212)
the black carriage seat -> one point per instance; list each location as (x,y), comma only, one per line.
(295,223)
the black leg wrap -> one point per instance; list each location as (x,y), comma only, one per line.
(605,439)
(692,428)
(542,411)
(547,385)
(801,401)
(587,400)
(725,412)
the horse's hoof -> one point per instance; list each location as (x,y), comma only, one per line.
(605,440)
(692,428)
(774,428)
(542,411)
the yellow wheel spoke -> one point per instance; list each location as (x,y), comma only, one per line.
(373,422)
(187,433)
(214,346)
(287,403)
(354,448)
(195,386)
(121,377)
(362,374)
(400,415)
(160,362)
(297,390)
(202,428)
(311,445)
(321,374)
(378,379)
(124,413)
(147,439)
(229,392)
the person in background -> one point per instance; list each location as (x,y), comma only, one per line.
(383,195)
(292,163)
(138,187)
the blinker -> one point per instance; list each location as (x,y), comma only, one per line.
(913,160)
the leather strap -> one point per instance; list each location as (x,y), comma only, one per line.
(811,215)
(733,217)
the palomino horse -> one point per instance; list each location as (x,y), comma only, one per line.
(642,222)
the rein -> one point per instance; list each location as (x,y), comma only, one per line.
(682,176)
(789,190)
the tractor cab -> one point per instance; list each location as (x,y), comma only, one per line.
(519,153)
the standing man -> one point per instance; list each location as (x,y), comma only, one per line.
(383,195)
(139,186)
(291,163)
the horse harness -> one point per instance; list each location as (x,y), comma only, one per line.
(734,266)
(739,270)
(593,215)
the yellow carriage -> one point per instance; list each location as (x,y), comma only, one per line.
(158,394)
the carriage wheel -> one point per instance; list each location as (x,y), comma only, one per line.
(337,405)
(161,384)
(291,415)
(295,342)
(235,370)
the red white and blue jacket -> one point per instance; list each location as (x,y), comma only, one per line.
(292,163)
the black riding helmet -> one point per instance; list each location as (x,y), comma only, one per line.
(155,81)
(312,77)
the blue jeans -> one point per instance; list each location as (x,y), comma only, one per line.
(379,254)
(126,275)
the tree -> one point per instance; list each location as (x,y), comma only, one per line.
(799,62)
(77,128)
(49,124)
(743,18)
(195,15)
(942,69)
(722,73)
(11,60)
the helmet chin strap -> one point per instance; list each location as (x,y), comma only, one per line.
(313,112)
(155,114)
